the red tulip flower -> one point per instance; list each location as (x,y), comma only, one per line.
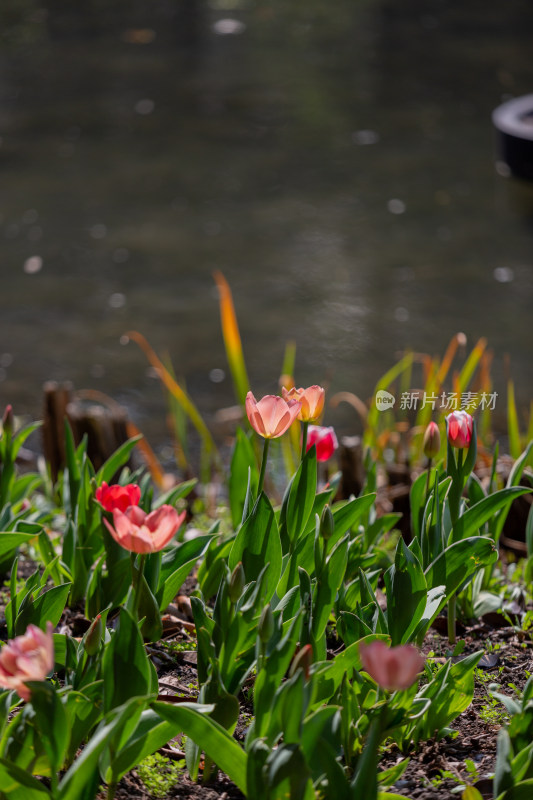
(118,497)
(460,425)
(312,400)
(27,658)
(271,416)
(325,441)
(392,668)
(139,532)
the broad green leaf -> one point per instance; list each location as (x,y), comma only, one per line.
(48,607)
(174,494)
(51,722)
(9,541)
(503,773)
(406,594)
(348,514)
(522,791)
(242,460)
(192,719)
(171,581)
(82,779)
(476,516)
(150,734)
(117,460)
(258,543)
(83,711)
(459,561)
(327,587)
(125,667)
(299,499)
(18,785)
(417,502)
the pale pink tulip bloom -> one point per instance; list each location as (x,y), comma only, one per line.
(391,667)
(139,532)
(324,440)
(271,416)
(460,426)
(27,658)
(312,400)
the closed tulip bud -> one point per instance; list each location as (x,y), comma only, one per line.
(324,440)
(302,660)
(460,426)
(327,523)
(93,637)
(432,440)
(8,420)
(265,628)
(236,583)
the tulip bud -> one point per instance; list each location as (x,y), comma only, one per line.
(265,628)
(432,440)
(236,583)
(8,420)
(302,660)
(327,523)
(93,637)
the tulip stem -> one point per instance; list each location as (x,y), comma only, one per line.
(137,583)
(305,426)
(455,506)
(263,467)
(430,460)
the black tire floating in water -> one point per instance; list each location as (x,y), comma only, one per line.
(514,123)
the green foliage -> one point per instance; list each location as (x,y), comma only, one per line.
(159,774)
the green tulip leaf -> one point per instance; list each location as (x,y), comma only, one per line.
(258,543)
(192,719)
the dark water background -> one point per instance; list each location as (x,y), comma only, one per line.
(334,159)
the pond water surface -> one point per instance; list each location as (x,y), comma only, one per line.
(334,160)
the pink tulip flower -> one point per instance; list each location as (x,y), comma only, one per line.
(139,532)
(312,400)
(325,441)
(460,425)
(271,416)
(432,440)
(391,667)
(118,497)
(27,658)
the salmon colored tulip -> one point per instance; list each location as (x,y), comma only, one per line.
(139,532)
(391,667)
(118,497)
(324,440)
(27,658)
(460,425)
(432,440)
(312,400)
(271,416)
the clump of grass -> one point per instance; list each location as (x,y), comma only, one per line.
(159,774)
